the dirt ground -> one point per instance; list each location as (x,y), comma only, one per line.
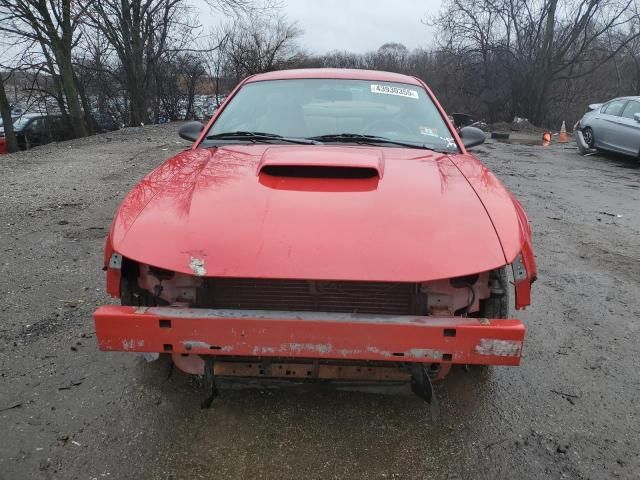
(68,411)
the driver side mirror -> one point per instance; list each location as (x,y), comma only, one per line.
(472,136)
(191,131)
(636,116)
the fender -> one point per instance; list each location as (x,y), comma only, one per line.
(509,220)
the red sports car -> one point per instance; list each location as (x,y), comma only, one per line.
(326,224)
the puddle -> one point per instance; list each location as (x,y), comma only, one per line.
(630,166)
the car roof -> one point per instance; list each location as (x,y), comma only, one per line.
(38,115)
(27,116)
(335,73)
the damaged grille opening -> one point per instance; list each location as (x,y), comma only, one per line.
(388,298)
(319,171)
(141,287)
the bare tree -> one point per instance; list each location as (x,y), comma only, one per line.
(7,122)
(142,33)
(99,78)
(52,24)
(193,70)
(139,32)
(142,60)
(392,57)
(178,84)
(216,58)
(535,43)
(261,43)
(338,59)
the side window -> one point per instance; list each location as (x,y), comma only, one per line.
(55,123)
(631,109)
(614,107)
(38,125)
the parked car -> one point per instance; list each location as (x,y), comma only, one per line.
(33,129)
(3,142)
(326,224)
(613,126)
(105,123)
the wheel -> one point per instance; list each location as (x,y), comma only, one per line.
(208,382)
(587,133)
(497,305)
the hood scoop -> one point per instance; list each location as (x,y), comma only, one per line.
(322,162)
(318,171)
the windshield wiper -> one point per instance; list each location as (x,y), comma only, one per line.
(260,137)
(371,139)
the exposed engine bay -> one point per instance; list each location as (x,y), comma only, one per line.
(150,286)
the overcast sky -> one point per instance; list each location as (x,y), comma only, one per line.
(361,25)
(354,25)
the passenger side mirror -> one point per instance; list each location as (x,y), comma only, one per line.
(472,136)
(191,131)
(636,116)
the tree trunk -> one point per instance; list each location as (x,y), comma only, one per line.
(191,94)
(57,83)
(90,123)
(137,94)
(5,110)
(539,113)
(63,59)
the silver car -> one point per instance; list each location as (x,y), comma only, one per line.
(613,126)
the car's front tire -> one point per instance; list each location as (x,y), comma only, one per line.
(497,305)
(587,134)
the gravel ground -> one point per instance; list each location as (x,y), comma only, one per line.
(68,411)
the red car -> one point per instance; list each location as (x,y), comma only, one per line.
(326,224)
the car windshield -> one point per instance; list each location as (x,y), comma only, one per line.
(334,110)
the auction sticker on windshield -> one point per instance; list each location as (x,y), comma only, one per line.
(389,90)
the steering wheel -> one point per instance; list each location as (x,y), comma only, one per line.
(382,126)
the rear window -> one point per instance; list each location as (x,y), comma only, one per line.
(631,109)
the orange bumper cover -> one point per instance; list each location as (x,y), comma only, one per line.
(247,333)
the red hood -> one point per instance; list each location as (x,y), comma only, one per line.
(418,218)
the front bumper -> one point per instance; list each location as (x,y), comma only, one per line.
(583,148)
(310,335)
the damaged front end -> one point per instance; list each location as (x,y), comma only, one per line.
(312,329)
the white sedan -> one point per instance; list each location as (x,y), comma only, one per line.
(613,126)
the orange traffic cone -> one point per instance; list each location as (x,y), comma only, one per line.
(546,138)
(563,137)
